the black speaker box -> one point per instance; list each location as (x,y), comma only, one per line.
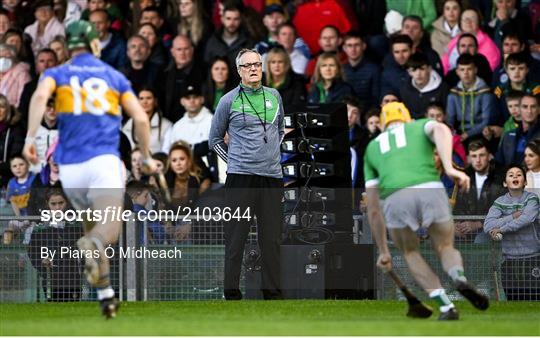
(329,271)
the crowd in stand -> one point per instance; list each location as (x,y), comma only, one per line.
(472,64)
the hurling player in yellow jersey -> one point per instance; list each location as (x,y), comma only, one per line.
(399,166)
(89,94)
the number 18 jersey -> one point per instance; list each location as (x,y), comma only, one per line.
(400,157)
(88,95)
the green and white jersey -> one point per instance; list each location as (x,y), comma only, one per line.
(400,157)
(254,121)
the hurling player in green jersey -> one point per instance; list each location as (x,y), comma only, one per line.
(399,167)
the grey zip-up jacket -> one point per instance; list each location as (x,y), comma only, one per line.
(245,114)
(520,235)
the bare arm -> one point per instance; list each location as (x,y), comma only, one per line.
(378,228)
(442,137)
(376,220)
(205,184)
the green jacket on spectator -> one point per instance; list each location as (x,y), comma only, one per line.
(423,8)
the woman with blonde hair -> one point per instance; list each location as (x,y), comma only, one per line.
(193,23)
(278,74)
(328,82)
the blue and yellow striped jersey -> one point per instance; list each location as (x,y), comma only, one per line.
(88,95)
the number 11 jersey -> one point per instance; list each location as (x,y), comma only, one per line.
(400,157)
(88,96)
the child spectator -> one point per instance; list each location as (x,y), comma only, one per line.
(64,275)
(435,111)
(513,142)
(139,193)
(512,43)
(514,120)
(512,218)
(471,105)
(517,68)
(45,180)
(373,122)
(18,191)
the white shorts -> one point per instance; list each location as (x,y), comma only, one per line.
(417,206)
(103,175)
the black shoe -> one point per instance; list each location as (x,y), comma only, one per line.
(109,307)
(451,314)
(232,294)
(272,294)
(477,299)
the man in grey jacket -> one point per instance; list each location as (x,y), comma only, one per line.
(513,219)
(252,116)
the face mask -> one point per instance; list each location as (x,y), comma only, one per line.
(5,64)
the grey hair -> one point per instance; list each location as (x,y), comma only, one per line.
(9,48)
(245,51)
(138,36)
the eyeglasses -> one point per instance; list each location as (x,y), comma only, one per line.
(257,65)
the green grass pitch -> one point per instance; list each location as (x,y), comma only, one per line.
(290,317)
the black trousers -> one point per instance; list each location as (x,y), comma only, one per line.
(263,196)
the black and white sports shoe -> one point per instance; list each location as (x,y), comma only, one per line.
(109,307)
(451,314)
(477,299)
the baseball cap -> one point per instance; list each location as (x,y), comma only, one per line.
(273,8)
(192,89)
